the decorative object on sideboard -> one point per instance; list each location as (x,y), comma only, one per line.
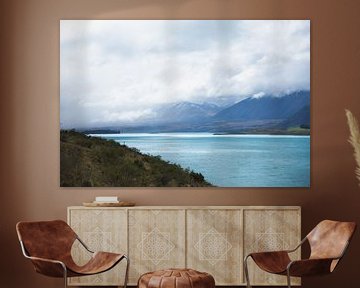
(48,245)
(106,204)
(328,242)
(108,201)
(354,140)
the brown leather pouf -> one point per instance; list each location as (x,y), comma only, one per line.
(176,278)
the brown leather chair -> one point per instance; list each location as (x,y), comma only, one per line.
(328,242)
(48,245)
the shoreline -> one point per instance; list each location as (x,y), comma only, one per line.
(295,132)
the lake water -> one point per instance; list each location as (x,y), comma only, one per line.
(231,160)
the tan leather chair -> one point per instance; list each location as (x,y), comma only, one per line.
(328,242)
(48,245)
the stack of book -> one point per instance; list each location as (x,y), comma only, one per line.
(106,199)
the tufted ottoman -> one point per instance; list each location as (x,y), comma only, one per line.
(176,278)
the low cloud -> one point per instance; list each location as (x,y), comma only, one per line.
(115,72)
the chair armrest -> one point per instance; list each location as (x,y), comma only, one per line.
(271,261)
(279,251)
(267,254)
(309,267)
(45,260)
(48,267)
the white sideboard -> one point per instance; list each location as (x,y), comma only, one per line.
(212,239)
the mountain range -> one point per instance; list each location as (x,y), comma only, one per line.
(265,107)
(265,114)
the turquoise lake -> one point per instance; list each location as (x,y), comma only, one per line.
(230,160)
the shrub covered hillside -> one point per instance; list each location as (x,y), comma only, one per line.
(87,161)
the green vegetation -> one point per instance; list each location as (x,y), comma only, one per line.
(87,161)
(302,130)
(272,131)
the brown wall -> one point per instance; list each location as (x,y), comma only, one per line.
(29,118)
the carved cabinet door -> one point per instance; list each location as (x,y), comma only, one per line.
(101,230)
(214,244)
(271,230)
(156,240)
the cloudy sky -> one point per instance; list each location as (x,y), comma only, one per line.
(120,71)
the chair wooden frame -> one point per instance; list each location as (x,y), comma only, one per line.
(315,265)
(66,272)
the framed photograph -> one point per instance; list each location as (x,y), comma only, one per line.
(185,103)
